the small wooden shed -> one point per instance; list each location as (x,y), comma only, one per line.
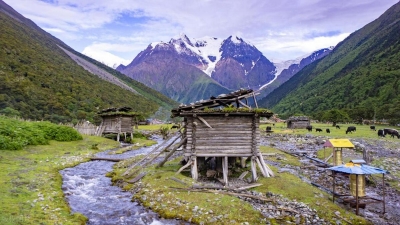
(117,121)
(298,122)
(223,133)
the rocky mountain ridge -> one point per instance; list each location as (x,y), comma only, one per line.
(222,66)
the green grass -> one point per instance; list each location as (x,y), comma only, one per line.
(171,200)
(30,190)
(363,131)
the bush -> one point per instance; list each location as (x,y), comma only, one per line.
(16,134)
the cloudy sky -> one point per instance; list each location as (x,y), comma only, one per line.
(114,32)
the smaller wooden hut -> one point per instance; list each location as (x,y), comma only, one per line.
(117,121)
(298,122)
(337,146)
(217,130)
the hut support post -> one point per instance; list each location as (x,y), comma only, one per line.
(118,137)
(264,173)
(253,169)
(356,194)
(264,165)
(225,169)
(243,162)
(195,174)
(383,184)
(333,186)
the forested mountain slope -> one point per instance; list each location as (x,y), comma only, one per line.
(38,80)
(361,75)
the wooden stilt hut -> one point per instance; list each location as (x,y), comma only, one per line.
(117,121)
(223,128)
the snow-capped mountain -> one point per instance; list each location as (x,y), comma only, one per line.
(231,64)
(287,69)
(184,64)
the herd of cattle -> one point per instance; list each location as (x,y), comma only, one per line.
(351,129)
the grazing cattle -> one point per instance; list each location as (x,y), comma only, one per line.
(392,132)
(268,129)
(318,130)
(381,133)
(176,126)
(351,129)
(337,127)
(309,128)
(328,131)
(372,128)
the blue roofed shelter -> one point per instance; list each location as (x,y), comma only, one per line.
(357,169)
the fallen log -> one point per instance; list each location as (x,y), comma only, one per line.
(177,180)
(106,159)
(137,178)
(226,193)
(247,187)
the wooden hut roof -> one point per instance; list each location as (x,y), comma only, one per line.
(117,111)
(224,102)
(298,118)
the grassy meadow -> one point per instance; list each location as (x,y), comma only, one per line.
(172,199)
(363,131)
(30,184)
(30,190)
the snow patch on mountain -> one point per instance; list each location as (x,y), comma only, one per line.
(280,66)
(208,48)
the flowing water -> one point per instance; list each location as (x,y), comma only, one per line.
(89,192)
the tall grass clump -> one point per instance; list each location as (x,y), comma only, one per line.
(16,134)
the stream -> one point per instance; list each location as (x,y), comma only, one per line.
(89,192)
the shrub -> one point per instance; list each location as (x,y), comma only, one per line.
(16,134)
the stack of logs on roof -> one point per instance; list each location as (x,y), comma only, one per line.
(220,100)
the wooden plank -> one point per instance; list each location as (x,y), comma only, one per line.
(243,175)
(225,170)
(202,154)
(171,152)
(241,143)
(224,148)
(223,126)
(195,174)
(216,131)
(253,170)
(264,173)
(106,159)
(137,178)
(247,187)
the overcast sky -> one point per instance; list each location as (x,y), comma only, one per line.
(115,31)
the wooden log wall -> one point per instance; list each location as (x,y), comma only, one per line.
(229,135)
(118,124)
(298,124)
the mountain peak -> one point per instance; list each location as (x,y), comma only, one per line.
(235,39)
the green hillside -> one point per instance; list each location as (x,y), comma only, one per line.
(360,76)
(39,81)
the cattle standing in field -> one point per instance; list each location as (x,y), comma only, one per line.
(268,129)
(350,129)
(381,133)
(328,131)
(176,126)
(337,127)
(318,130)
(392,132)
(372,128)
(309,128)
